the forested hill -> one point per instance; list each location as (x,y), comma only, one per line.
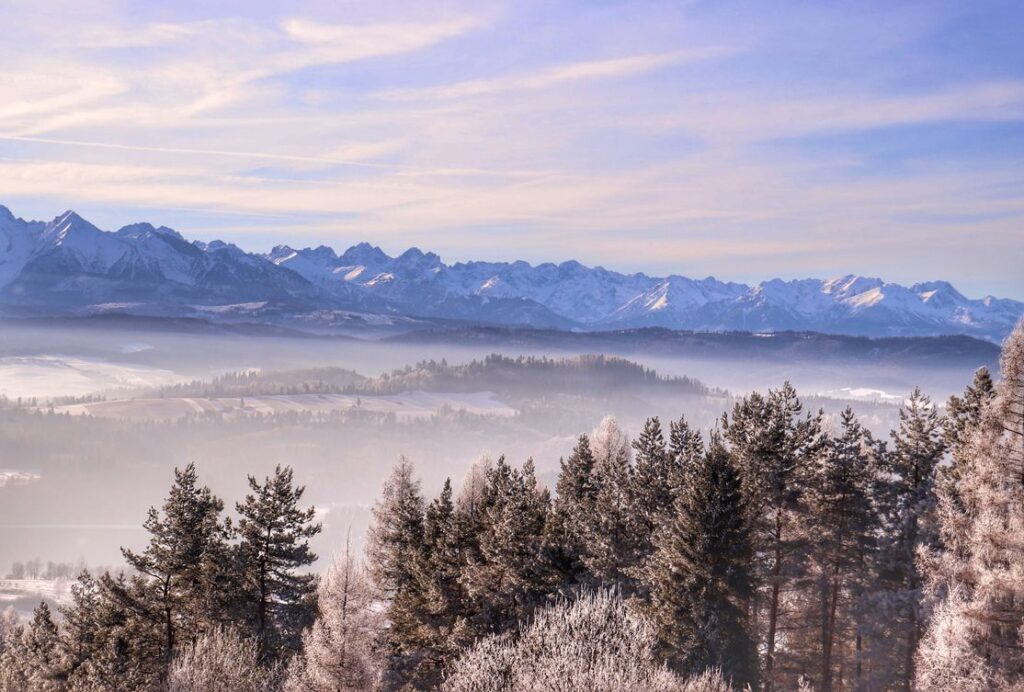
(586,374)
(327,380)
(524,375)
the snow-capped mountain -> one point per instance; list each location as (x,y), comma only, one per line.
(68,266)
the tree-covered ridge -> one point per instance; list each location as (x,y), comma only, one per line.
(773,551)
(325,380)
(501,374)
(517,376)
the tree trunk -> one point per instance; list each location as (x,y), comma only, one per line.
(168,619)
(908,672)
(773,608)
(830,633)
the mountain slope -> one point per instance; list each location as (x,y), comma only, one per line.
(68,266)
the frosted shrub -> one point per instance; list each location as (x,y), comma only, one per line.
(221,661)
(594,644)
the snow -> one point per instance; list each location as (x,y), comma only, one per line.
(50,376)
(365,277)
(409,405)
(17,477)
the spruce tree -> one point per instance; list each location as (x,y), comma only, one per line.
(184,560)
(841,540)
(442,598)
(685,445)
(652,493)
(699,578)
(918,448)
(394,551)
(274,533)
(573,512)
(774,446)
(509,577)
(612,536)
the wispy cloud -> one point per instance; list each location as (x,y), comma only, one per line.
(559,74)
(146,36)
(660,136)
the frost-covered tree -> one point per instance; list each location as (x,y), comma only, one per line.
(221,660)
(774,445)
(963,417)
(593,644)
(975,637)
(473,489)
(33,658)
(338,650)
(274,533)
(699,576)
(185,560)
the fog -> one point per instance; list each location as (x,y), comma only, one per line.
(92,426)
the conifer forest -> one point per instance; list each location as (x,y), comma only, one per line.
(770,550)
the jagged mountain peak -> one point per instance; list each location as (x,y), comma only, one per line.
(69,262)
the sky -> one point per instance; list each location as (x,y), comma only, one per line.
(743,140)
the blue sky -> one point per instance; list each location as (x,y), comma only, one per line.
(744,140)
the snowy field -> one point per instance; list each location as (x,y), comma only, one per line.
(52,375)
(415,404)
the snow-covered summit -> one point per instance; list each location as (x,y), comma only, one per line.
(69,263)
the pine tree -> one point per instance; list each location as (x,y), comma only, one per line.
(918,448)
(274,535)
(974,639)
(774,447)
(963,414)
(699,577)
(184,559)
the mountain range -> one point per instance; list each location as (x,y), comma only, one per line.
(68,266)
